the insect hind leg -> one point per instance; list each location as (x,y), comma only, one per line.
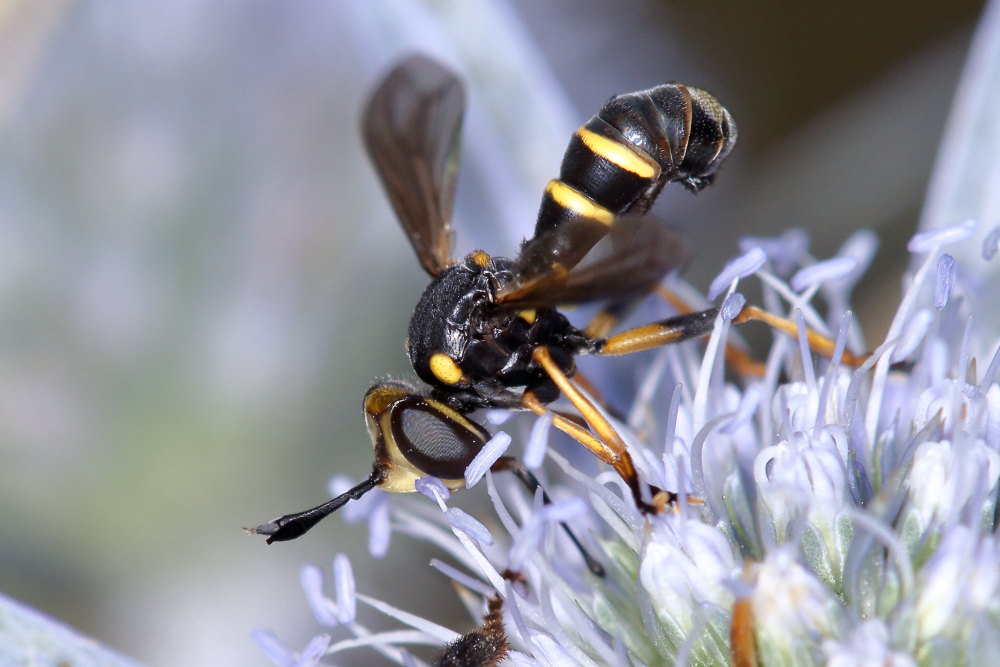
(607,319)
(665,332)
(698,324)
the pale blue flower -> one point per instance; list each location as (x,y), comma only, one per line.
(831,512)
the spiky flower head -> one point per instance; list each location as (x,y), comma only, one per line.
(837,514)
(828,513)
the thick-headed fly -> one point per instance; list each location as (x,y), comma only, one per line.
(486,332)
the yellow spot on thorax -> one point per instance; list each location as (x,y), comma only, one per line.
(444,368)
(574,200)
(480,258)
(528,315)
(619,154)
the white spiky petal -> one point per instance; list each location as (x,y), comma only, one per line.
(852,509)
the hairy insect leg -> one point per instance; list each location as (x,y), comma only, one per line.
(526,477)
(606,320)
(595,394)
(695,325)
(665,332)
(605,442)
(737,358)
(818,343)
(570,427)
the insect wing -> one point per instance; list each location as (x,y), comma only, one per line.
(628,262)
(557,250)
(411,131)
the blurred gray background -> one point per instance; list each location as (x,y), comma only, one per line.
(199,275)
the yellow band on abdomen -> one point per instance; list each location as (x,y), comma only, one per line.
(619,154)
(579,203)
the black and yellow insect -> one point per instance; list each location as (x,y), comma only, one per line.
(486,332)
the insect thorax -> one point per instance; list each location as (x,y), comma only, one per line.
(475,351)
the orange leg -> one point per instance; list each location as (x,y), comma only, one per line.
(695,325)
(817,343)
(736,358)
(742,650)
(604,442)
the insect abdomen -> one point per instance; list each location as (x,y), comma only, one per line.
(621,158)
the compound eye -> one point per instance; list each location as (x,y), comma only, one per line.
(435,439)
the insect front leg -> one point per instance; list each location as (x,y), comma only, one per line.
(604,442)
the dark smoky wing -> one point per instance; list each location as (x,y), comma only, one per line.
(411,131)
(558,250)
(628,262)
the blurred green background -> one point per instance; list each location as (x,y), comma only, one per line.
(199,275)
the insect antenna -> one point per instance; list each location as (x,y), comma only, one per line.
(291,526)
